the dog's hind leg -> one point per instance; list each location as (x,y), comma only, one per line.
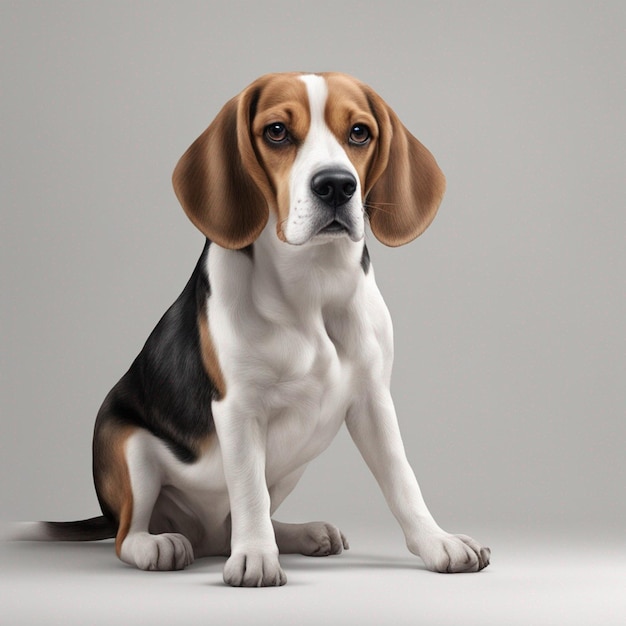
(128,482)
(310,539)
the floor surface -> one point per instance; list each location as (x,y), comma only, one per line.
(530,581)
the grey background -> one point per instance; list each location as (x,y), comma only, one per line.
(508,312)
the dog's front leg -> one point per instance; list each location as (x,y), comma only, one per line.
(373,425)
(253,560)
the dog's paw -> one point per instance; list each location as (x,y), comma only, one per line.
(164,552)
(443,552)
(254,569)
(321,539)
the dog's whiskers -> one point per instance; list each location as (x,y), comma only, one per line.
(377,206)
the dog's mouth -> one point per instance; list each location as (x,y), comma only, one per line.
(338,228)
(327,229)
(334,228)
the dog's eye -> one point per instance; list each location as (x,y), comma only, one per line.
(359,134)
(276,133)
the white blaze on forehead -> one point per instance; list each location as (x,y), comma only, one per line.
(320,143)
(317,90)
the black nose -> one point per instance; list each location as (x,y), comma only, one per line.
(334,186)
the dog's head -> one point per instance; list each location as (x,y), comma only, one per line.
(321,151)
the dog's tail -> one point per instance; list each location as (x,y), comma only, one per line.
(93,529)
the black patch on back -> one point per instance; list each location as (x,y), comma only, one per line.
(167,390)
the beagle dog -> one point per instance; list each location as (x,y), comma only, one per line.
(279,337)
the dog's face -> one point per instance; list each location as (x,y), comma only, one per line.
(316,155)
(321,151)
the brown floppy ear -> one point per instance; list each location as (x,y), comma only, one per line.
(406,184)
(219,181)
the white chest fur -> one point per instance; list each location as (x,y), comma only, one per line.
(294,332)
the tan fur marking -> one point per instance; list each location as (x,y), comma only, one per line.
(113,481)
(209,356)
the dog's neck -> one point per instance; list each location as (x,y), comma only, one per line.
(317,274)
